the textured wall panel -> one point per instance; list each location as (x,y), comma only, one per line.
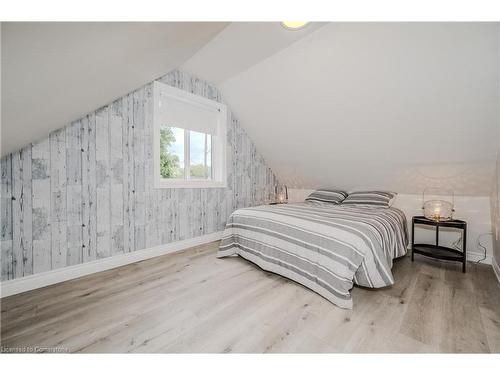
(86,191)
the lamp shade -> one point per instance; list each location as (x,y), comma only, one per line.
(281,194)
(435,207)
(438,210)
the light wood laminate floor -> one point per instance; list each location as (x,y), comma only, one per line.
(193,302)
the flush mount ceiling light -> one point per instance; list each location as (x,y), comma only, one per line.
(293,25)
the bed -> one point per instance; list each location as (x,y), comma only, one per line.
(325,247)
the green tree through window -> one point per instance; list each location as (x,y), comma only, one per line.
(169,163)
(199,171)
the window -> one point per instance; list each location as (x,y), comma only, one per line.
(190,139)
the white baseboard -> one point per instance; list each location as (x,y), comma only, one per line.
(496,269)
(23,284)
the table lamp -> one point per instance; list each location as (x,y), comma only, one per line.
(437,209)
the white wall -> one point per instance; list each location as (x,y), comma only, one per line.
(495,198)
(474,210)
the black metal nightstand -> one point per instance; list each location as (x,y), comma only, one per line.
(436,251)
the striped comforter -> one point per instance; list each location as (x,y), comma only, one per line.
(324,247)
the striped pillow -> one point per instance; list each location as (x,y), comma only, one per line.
(370,198)
(327,195)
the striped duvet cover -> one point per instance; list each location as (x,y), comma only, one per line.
(324,247)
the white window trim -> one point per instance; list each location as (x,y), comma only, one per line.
(219,172)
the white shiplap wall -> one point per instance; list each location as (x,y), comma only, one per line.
(86,191)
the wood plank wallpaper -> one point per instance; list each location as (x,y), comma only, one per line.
(86,192)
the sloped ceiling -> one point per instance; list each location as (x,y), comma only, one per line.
(397,106)
(53,73)
(240,46)
(377,105)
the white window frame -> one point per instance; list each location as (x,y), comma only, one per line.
(218,149)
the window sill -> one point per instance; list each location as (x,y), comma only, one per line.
(192,184)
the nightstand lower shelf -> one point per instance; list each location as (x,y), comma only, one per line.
(438,252)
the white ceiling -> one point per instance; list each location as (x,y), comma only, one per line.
(374,105)
(240,46)
(54,73)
